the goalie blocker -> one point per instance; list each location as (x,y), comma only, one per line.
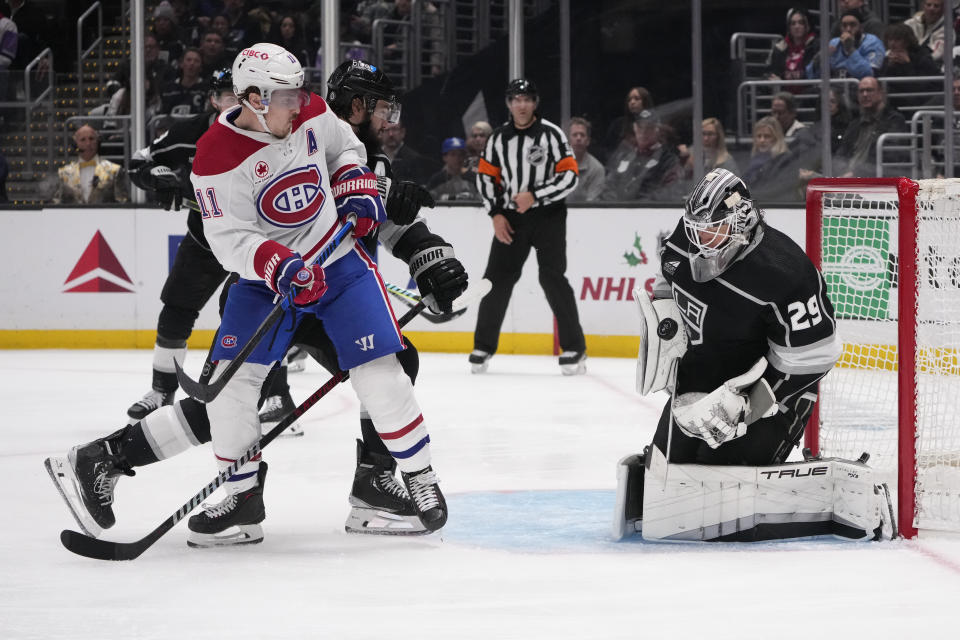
(712,503)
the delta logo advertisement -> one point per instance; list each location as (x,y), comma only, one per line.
(98,271)
(619,288)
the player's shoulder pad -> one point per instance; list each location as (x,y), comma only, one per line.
(221,149)
(317,106)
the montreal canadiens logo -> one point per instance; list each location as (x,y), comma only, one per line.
(293,198)
(228,342)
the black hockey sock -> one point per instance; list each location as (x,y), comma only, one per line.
(131,446)
(165,382)
(371,439)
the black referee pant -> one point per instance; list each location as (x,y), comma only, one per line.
(544,229)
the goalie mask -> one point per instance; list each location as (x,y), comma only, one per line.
(720,221)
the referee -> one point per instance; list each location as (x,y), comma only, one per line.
(526,171)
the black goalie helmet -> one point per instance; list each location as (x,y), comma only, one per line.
(221,80)
(358,79)
(522,87)
(720,219)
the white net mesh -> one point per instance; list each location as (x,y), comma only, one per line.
(858,400)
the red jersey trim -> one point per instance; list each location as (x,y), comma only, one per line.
(221,149)
(316,107)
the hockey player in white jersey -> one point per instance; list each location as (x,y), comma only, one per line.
(275,178)
(739,331)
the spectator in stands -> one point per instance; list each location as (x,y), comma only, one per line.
(840,118)
(592,177)
(715,154)
(798,136)
(90,179)
(620,132)
(158,71)
(213,52)
(367,12)
(167,34)
(871,23)
(190,88)
(771,170)
(854,54)
(240,22)
(292,39)
(33,27)
(407,163)
(646,171)
(857,153)
(221,24)
(476,141)
(261,26)
(395,35)
(454,181)
(790,56)
(927,26)
(905,56)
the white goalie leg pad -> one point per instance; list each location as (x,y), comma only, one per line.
(792,500)
(662,341)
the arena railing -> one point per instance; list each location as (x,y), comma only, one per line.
(746,52)
(896,155)
(96,45)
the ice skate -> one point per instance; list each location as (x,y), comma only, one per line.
(425,491)
(296,360)
(479,361)
(235,520)
(378,502)
(275,409)
(86,480)
(150,402)
(573,363)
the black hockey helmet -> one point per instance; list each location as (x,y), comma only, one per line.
(221,80)
(358,79)
(719,218)
(522,87)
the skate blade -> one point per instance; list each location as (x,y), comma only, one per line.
(297,366)
(373,521)
(229,537)
(479,368)
(65,480)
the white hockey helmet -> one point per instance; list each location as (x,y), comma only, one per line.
(719,218)
(274,72)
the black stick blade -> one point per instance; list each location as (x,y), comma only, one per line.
(83,545)
(202,392)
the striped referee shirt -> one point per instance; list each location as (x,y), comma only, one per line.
(536,159)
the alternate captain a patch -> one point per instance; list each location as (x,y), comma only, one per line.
(292,199)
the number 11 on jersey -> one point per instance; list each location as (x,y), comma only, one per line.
(214,209)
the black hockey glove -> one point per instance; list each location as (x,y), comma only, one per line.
(164,183)
(405,200)
(438,272)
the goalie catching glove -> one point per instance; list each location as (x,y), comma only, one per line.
(438,273)
(355,194)
(724,414)
(405,201)
(285,273)
(663,340)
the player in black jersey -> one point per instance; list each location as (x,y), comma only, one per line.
(163,170)
(740,331)
(87,477)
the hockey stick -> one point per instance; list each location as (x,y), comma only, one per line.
(207,392)
(90,547)
(473,293)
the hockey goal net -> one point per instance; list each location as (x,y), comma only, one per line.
(889,250)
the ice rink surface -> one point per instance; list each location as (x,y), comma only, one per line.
(527,460)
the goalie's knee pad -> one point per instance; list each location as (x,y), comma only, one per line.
(686,502)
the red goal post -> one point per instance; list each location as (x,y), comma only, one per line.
(889,249)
